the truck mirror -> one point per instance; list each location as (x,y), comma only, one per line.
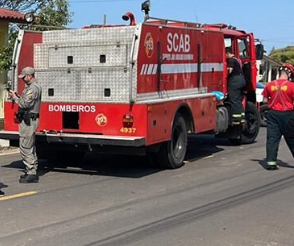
(259,50)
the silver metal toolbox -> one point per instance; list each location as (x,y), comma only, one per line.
(87,65)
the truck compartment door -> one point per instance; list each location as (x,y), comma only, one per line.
(23,55)
(247,54)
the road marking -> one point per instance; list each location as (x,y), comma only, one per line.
(207,157)
(199,158)
(10,153)
(30,193)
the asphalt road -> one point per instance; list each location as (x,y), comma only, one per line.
(223,196)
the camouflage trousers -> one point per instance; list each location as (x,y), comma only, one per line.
(27,137)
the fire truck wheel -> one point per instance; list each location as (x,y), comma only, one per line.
(172,153)
(252,124)
(263,113)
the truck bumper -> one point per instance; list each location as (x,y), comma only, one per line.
(73,138)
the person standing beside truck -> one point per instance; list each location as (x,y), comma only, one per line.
(28,115)
(236,85)
(280,94)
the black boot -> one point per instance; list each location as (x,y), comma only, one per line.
(23,176)
(272,167)
(29,179)
(2,193)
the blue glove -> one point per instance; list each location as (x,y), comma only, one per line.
(219,95)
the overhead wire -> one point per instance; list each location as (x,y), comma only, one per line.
(101,1)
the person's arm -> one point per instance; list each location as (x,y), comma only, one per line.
(265,95)
(28,98)
(13,94)
(230,70)
(230,65)
(265,100)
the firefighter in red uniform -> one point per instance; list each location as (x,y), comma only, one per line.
(236,85)
(281,98)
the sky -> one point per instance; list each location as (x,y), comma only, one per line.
(271,21)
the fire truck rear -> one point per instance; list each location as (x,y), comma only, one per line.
(137,89)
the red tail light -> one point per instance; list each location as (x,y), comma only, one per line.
(128,120)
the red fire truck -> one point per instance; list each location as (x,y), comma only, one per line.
(135,89)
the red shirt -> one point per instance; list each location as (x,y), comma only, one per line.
(281,95)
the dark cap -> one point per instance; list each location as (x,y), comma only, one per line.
(229,50)
(26,71)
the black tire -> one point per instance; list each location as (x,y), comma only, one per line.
(171,154)
(252,125)
(263,114)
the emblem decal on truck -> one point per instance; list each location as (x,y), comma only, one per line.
(149,45)
(101,120)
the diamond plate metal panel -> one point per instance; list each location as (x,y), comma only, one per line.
(87,79)
(67,86)
(41,56)
(88,56)
(92,34)
(85,86)
(84,54)
(115,80)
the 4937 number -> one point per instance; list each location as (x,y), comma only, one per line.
(128,130)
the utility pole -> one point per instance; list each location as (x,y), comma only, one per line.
(104,20)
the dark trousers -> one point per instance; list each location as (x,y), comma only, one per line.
(236,86)
(276,128)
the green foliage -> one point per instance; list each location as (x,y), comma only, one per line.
(285,55)
(50,12)
(7,51)
(23,5)
(56,13)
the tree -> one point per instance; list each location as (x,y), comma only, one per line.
(23,5)
(285,55)
(56,13)
(272,50)
(50,12)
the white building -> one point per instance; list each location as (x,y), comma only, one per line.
(267,70)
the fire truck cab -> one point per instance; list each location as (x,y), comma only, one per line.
(137,89)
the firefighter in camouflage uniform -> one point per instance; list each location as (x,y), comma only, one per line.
(28,115)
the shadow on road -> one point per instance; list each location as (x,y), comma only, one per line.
(3,186)
(279,162)
(16,165)
(113,165)
(200,146)
(127,166)
(97,164)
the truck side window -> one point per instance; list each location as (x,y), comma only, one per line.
(228,43)
(243,51)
